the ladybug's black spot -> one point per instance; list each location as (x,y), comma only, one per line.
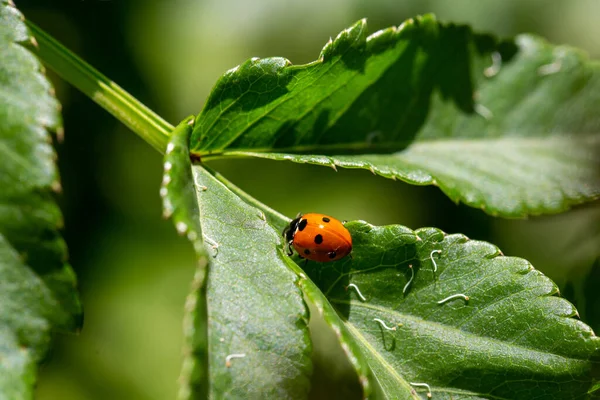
(319,239)
(302,224)
(325,219)
(306,251)
(332,254)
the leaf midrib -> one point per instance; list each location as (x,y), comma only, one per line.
(294,151)
(357,334)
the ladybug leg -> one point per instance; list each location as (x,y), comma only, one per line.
(289,247)
(305,263)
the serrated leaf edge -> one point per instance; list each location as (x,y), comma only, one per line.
(353,37)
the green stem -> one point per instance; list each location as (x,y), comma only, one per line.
(110,96)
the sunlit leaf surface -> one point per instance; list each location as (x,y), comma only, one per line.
(510,128)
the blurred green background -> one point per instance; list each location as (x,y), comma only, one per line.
(134,271)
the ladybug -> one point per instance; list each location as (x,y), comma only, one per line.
(318,237)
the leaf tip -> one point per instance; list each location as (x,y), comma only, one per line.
(352,37)
(382,39)
(326,49)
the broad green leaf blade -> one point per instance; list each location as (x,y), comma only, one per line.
(537,151)
(362,94)
(512,326)
(531,147)
(274,218)
(508,177)
(370,386)
(180,204)
(258,334)
(512,339)
(37,286)
(314,295)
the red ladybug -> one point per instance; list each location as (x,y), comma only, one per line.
(318,237)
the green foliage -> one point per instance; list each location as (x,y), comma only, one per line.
(512,338)
(411,309)
(359,85)
(180,204)
(254,307)
(531,147)
(37,286)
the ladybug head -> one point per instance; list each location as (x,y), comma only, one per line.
(289,231)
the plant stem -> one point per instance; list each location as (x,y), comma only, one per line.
(110,96)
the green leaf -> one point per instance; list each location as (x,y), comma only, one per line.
(257,321)
(359,86)
(595,388)
(315,296)
(531,147)
(256,308)
(180,204)
(37,286)
(512,339)
(359,362)
(507,177)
